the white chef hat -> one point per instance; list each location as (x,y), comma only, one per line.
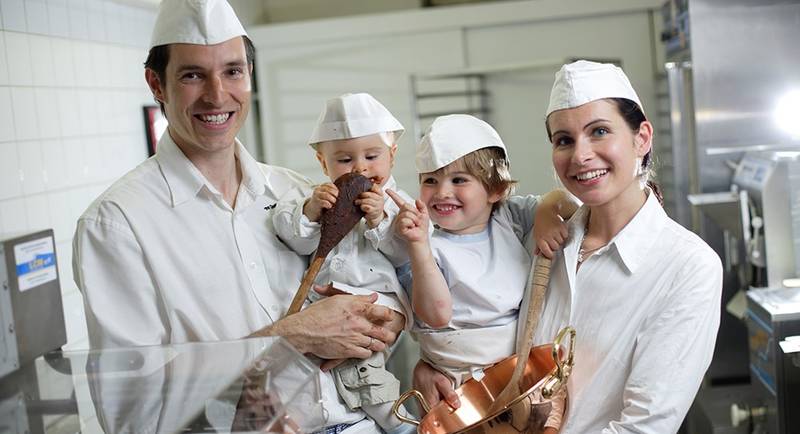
(452,137)
(583,81)
(354,115)
(199,22)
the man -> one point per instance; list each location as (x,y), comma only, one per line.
(182,247)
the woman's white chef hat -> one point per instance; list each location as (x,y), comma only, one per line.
(199,22)
(582,82)
(354,115)
(452,137)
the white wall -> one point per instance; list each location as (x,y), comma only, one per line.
(71,96)
(252,12)
(300,65)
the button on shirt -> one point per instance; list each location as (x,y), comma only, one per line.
(160,257)
(646,310)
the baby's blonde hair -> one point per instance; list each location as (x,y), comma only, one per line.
(490,166)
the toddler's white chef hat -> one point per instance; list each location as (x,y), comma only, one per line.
(452,137)
(199,22)
(583,81)
(354,115)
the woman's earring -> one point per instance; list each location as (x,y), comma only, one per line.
(639,168)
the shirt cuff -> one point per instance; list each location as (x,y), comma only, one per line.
(388,300)
(303,227)
(379,233)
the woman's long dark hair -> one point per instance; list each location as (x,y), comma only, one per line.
(634,116)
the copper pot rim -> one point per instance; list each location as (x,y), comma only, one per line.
(523,395)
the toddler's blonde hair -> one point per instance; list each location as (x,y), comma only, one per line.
(490,166)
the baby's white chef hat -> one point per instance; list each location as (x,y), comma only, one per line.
(452,137)
(354,115)
(199,22)
(583,81)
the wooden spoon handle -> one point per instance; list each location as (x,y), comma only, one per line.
(305,285)
(540,278)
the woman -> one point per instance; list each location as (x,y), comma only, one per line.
(642,292)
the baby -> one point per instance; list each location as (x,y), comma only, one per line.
(469,277)
(355,133)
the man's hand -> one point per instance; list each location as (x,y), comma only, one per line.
(371,203)
(340,327)
(396,324)
(323,197)
(434,385)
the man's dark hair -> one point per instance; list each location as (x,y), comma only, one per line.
(158,58)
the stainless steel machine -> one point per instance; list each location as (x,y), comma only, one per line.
(31,313)
(773,320)
(730,65)
(760,220)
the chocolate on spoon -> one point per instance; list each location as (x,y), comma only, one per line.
(336,223)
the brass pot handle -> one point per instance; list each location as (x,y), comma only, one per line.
(563,369)
(402,399)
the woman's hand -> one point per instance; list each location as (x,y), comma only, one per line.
(434,385)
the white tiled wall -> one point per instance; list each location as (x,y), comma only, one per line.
(71,94)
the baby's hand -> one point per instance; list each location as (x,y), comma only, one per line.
(411,223)
(371,202)
(323,197)
(550,233)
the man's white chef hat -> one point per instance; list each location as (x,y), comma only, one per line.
(354,115)
(199,22)
(582,82)
(452,137)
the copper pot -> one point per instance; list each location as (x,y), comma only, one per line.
(546,371)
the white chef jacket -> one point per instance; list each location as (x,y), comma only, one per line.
(160,258)
(486,274)
(646,310)
(357,264)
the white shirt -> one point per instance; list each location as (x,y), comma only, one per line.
(486,274)
(646,310)
(357,264)
(161,258)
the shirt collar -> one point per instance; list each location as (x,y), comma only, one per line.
(390,184)
(185,181)
(634,241)
(253,178)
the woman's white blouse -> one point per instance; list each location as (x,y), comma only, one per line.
(646,309)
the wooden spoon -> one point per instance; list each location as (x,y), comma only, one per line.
(539,280)
(336,223)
